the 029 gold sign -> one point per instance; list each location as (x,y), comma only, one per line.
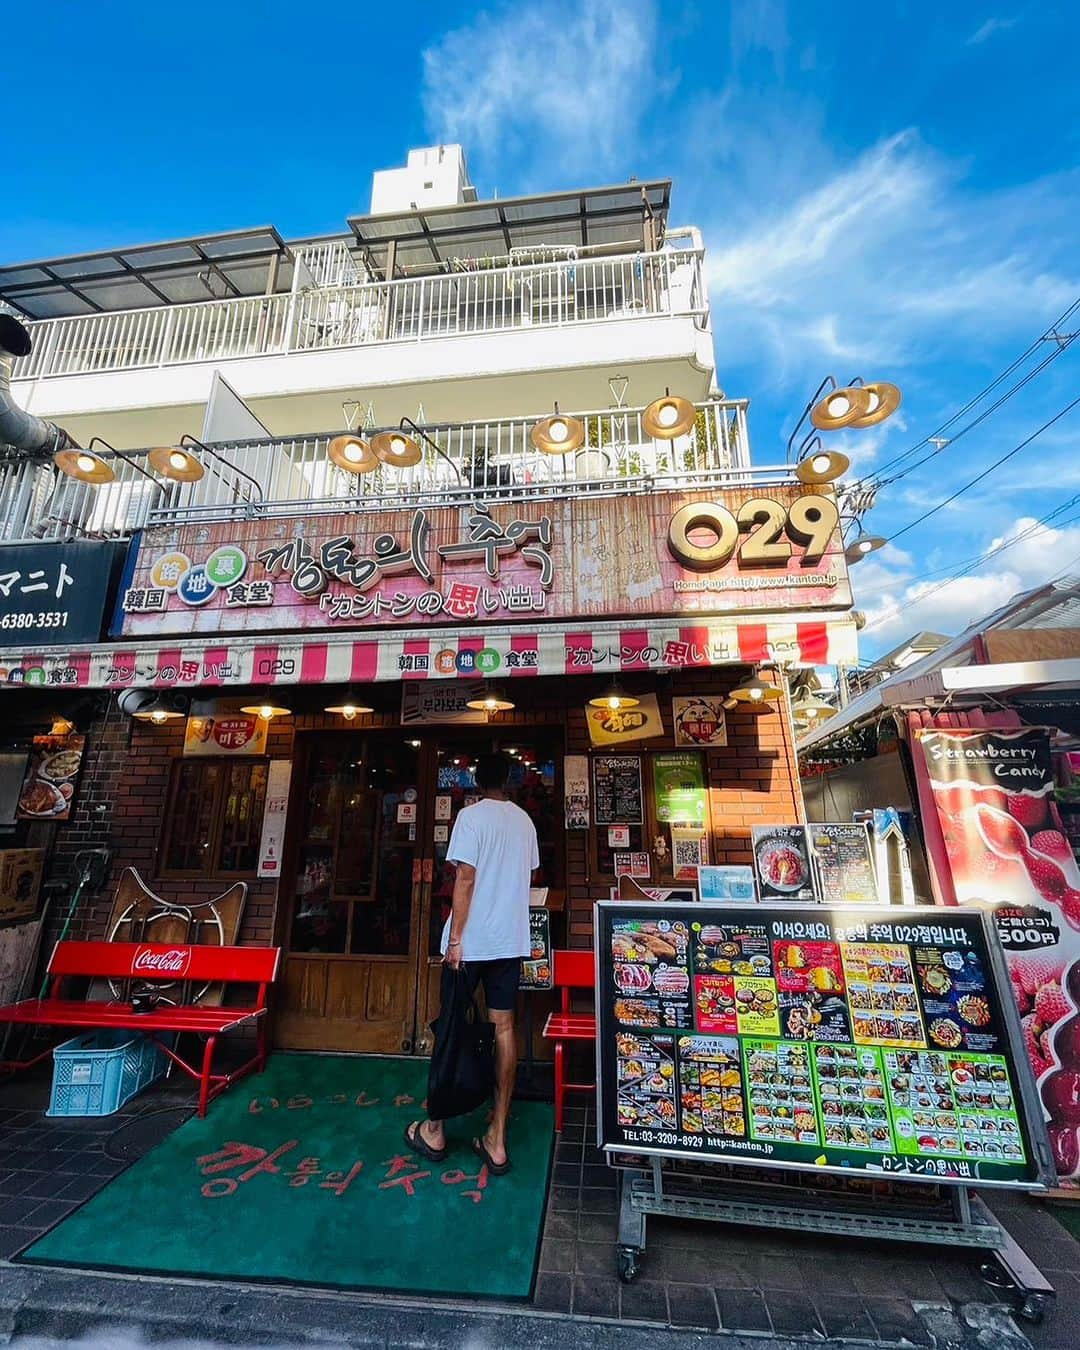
(705,535)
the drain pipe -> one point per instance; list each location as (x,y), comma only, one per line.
(21,429)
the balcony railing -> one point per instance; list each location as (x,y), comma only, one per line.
(462,462)
(482,300)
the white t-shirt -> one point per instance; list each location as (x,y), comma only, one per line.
(499,840)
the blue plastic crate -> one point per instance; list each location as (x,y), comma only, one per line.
(95,1074)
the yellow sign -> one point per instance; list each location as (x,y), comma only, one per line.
(168,570)
(608,726)
(229,733)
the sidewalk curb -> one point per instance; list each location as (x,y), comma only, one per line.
(68,1304)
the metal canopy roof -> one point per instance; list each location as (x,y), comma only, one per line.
(210,267)
(430,239)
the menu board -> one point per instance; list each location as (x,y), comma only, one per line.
(617,790)
(679,786)
(782,868)
(536,967)
(842,857)
(840,1040)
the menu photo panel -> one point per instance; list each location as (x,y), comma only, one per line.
(843,1040)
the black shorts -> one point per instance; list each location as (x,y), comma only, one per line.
(499,978)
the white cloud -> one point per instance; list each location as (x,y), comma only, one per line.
(552,88)
(988,29)
(897,606)
(882,263)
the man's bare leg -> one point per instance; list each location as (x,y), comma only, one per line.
(505,1075)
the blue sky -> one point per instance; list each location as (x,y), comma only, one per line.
(890,191)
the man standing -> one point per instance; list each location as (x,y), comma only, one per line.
(493,846)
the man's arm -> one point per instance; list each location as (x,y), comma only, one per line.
(464,880)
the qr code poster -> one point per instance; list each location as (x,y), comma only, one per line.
(689,851)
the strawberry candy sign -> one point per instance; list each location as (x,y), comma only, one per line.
(993,791)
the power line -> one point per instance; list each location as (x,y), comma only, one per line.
(1051,334)
(985,473)
(966,565)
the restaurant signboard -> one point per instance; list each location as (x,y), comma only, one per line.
(554,559)
(847,1040)
(54,592)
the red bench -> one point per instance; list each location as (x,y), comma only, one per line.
(570,970)
(158,964)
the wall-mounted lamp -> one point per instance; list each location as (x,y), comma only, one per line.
(267,710)
(754,693)
(558,434)
(668,417)
(353,454)
(615,700)
(177,464)
(819,465)
(863,544)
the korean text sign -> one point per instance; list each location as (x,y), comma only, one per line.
(552,559)
(53,592)
(847,1040)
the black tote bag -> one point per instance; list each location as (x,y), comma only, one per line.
(462,1071)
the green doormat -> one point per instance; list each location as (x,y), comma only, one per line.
(1068,1215)
(302,1175)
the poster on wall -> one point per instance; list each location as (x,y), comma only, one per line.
(227,733)
(614,726)
(726,884)
(576,791)
(994,796)
(536,972)
(48,790)
(275,813)
(617,795)
(679,787)
(844,865)
(699,721)
(435,702)
(782,869)
(840,1040)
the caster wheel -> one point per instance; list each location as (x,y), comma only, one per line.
(1032,1309)
(626,1264)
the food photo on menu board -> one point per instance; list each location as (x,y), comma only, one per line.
(782,868)
(840,1039)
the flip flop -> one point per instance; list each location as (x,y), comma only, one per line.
(496,1169)
(419,1144)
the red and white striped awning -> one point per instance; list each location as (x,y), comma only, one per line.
(568,649)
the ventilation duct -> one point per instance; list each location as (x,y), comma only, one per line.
(32,435)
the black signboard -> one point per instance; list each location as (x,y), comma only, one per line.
(617,790)
(536,970)
(782,869)
(54,593)
(844,866)
(850,1040)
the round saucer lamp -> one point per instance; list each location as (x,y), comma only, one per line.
(558,434)
(84,466)
(841,408)
(863,544)
(823,466)
(181,466)
(350,706)
(352,454)
(615,700)
(267,709)
(668,417)
(490,701)
(396,449)
(884,401)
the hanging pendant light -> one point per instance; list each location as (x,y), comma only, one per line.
(841,408)
(754,693)
(352,454)
(396,449)
(179,465)
(863,544)
(157,712)
(558,434)
(615,700)
(823,466)
(490,701)
(884,401)
(267,709)
(84,466)
(668,417)
(350,706)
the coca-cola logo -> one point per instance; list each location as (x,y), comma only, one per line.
(172,961)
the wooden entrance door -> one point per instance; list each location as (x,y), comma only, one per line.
(358,888)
